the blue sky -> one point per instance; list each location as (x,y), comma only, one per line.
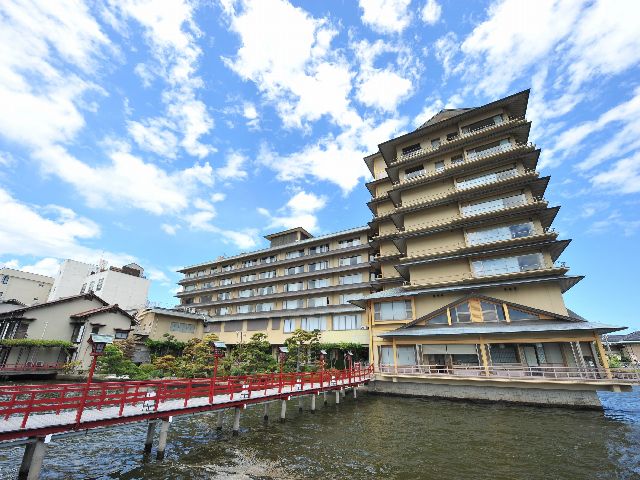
(171,132)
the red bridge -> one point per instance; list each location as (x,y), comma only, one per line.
(35,412)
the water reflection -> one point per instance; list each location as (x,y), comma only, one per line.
(373,437)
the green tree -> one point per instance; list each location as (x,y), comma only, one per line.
(303,349)
(114,362)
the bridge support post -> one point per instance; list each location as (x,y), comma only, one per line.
(300,404)
(355,393)
(151,431)
(162,439)
(313,403)
(220,420)
(343,392)
(236,422)
(265,416)
(32,460)
(283,411)
(324,398)
(337,397)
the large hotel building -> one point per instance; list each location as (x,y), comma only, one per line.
(457,270)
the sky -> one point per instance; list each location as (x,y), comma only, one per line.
(171,132)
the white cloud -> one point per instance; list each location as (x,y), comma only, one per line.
(6,159)
(169,229)
(431,107)
(200,221)
(431,12)
(251,114)
(622,177)
(233,168)
(287,54)
(49,231)
(154,135)
(159,276)
(615,222)
(299,211)
(386,16)
(45,266)
(217,197)
(446,47)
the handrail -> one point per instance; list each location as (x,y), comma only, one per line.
(78,398)
(30,367)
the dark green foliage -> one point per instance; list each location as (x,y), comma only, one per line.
(33,343)
(167,346)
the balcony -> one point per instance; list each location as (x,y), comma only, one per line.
(422,152)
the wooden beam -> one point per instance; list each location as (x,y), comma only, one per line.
(603,355)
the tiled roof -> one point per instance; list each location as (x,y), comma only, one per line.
(500,328)
(445,114)
(85,296)
(106,309)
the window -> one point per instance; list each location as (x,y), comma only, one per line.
(264,307)
(247,278)
(435,143)
(289,325)
(309,324)
(411,149)
(84,287)
(440,319)
(95,329)
(452,136)
(5,280)
(244,293)
(516,315)
(498,266)
(188,301)
(293,304)
(78,332)
(318,283)
(439,166)
(354,260)
(181,327)
(227,268)
(319,249)
(257,324)
(347,322)
(207,285)
(224,311)
(268,290)
(456,160)
(224,296)
(123,334)
(494,204)
(502,353)
(492,312)
(188,288)
(345,298)
(351,279)
(267,274)
(245,308)
(400,310)
(91,285)
(414,172)
(294,270)
(352,242)
(294,254)
(488,149)
(275,324)
(461,313)
(226,281)
(318,302)
(503,232)
(313,267)
(293,287)
(205,298)
(487,122)
(485,178)
(248,263)
(269,259)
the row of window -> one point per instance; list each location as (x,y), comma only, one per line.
(291,304)
(350,242)
(352,321)
(313,283)
(491,312)
(182,327)
(92,284)
(4,279)
(436,142)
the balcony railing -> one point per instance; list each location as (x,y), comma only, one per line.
(516,372)
(424,151)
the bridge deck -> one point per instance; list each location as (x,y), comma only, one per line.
(36,410)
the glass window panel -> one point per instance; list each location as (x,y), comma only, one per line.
(440,319)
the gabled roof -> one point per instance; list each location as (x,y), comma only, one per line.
(633,337)
(172,312)
(555,316)
(444,114)
(85,296)
(100,310)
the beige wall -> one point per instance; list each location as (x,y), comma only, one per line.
(417,246)
(430,216)
(424,192)
(25,287)
(156,325)
(441,271)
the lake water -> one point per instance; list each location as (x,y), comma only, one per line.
(371,437)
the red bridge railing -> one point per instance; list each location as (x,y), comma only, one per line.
(76,399)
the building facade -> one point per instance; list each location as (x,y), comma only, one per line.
(25,287)
(125,286)
(71,319)
(155,323)
(300,281)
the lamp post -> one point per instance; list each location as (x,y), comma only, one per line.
(218,349)
(349,358)
(322,355)
(281,357)
(98,344)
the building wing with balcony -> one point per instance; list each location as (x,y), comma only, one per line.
(461,228)
(300,281)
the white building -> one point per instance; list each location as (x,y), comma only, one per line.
(28,288)
(126,286)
